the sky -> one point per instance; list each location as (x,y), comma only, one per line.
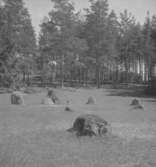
(40,8)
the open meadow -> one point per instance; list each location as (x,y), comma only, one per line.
(34,135)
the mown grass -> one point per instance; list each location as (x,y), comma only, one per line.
(35,135)
(54,149)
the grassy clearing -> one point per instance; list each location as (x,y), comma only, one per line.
(49,148)
(35,135)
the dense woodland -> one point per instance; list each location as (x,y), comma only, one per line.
(93,46)
(17,42)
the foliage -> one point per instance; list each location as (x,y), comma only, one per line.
(97,46)
(59,39)
(17,37)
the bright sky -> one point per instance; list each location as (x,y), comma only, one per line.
(40,8)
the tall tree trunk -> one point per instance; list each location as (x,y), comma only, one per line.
(117,72)
(97,76)
(79,75)
(62,71)
(150,66)
(28,79)
(24,77)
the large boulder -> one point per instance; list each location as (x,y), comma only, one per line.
(90,125)
(91,100)
(17,98)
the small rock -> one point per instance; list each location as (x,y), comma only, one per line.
(17,98)
(51,94)
(68,109)
(47,101)
(134,102)
(91,100)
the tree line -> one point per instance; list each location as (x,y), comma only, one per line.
(97,46)
(94,46)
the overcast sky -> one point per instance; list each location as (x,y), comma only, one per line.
(40,8)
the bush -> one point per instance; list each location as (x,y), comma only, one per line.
(130,77)
(6,80)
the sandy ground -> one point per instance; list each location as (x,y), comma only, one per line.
(36,130)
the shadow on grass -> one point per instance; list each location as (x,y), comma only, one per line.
(130,92)
(150,100)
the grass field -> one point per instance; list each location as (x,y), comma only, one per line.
(34,135)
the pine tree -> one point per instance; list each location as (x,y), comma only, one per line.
(61,39)
(17,36)
(112,59)
(96,33)
(127,24)
(152,83)
(148,45)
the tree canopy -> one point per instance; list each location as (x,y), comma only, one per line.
(96,46)
(17,37)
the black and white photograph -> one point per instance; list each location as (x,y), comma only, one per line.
(77,83)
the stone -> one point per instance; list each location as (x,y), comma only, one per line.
(47,101)
(68,109)
(51,94)
(91,100)
(134,102)
(90,125)
(17,98)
